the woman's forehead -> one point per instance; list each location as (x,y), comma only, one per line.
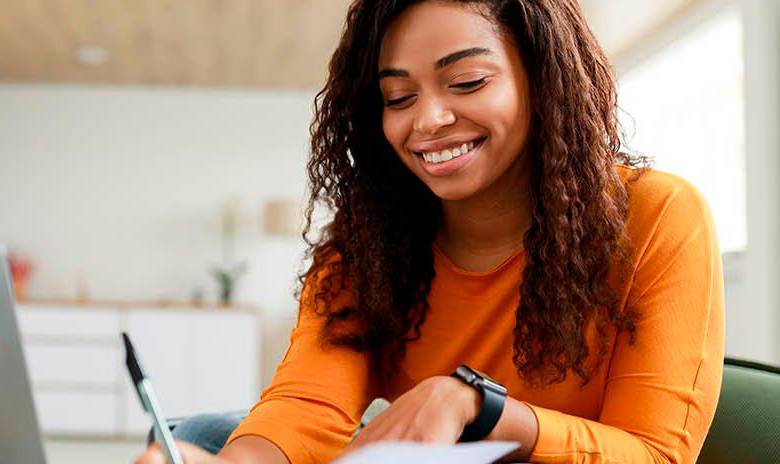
(428,31)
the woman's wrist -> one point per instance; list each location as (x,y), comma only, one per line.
(468,398)
(518,423)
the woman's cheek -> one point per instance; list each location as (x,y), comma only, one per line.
(394,131)
(389,130)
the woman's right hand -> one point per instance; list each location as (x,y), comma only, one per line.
(190,453)
(246,449)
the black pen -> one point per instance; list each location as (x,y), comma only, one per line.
(149,402)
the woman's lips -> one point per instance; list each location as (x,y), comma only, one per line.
(446,168)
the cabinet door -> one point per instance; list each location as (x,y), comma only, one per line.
(77,413)
(162,340)
(74,366)
(74,362)
(69,323)
(198,361)
(227,369)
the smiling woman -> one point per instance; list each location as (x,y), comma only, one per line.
(486,220)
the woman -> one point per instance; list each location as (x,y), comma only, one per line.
(485,216)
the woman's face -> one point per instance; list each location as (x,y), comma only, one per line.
(456,98)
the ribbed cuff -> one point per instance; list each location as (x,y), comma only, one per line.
(551,438)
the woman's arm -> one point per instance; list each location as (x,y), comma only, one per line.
(252,450)
(314,403)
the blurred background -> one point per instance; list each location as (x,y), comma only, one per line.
(152,157)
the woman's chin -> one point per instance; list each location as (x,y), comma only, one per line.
(452,192)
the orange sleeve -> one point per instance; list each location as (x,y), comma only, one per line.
(661,391)
(318,394)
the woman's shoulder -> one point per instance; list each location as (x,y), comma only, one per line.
(650,186)
(665,212)
(656,196)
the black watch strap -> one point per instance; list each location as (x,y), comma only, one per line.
(493,399)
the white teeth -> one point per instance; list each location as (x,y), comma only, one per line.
(448,154)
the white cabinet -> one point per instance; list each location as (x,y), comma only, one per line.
(199,360)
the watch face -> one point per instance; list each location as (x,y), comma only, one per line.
(467,374)
(483,375)
(495,386)
(472,376)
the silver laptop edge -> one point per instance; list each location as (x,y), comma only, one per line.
(20,438)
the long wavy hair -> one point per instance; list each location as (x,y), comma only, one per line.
(378,245)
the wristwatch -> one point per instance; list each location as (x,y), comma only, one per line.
(493,398)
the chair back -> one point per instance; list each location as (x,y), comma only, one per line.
(746,427)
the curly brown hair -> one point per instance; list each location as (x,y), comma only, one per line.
(385,219)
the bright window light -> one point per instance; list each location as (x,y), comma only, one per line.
(685,108)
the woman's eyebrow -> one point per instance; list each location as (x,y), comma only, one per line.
(453,57)
(440,63)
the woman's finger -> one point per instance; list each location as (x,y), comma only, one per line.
(152,455)
(196,455)
(190,453)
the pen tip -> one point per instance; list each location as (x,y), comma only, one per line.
(136,373)
(128,344)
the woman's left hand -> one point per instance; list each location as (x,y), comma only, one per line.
(434,411)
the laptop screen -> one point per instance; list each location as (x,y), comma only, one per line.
(20,440)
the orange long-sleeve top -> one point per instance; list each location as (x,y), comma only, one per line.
(651,401)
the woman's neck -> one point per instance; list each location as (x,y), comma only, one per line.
(481,231)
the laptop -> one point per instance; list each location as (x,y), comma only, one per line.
(20,438)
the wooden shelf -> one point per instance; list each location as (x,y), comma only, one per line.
(140,304)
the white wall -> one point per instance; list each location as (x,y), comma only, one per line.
(125,186)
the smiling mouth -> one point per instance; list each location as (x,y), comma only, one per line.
(449,153)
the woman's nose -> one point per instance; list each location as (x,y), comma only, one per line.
(431,116)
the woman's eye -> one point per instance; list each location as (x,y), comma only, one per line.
(398,101)
(469,84)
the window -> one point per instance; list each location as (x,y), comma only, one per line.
(684,107)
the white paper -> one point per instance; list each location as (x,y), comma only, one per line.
(482,452)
